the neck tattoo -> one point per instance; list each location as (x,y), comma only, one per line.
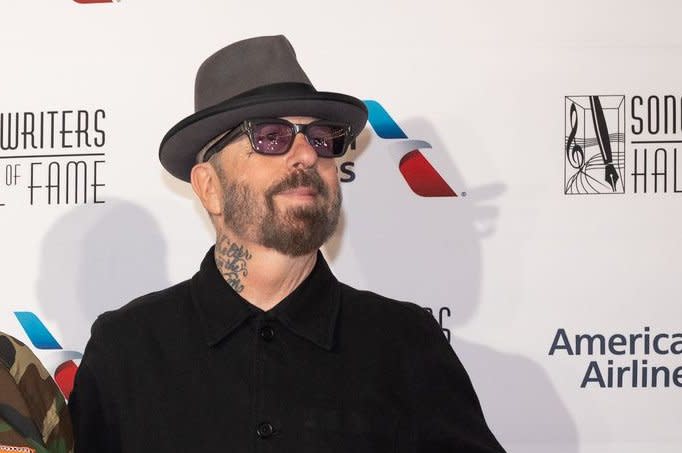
(231,259)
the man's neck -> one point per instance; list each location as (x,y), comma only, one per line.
(260,275)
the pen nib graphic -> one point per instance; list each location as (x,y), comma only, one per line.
(611,176)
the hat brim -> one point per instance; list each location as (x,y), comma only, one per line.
(181,144)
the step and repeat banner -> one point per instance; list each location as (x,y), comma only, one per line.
(518,178)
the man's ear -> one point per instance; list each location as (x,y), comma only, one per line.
(206,185)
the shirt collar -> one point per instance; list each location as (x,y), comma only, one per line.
(310,311)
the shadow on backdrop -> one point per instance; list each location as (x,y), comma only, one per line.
(362,143)
(184,190)
(395,245)
(98,258)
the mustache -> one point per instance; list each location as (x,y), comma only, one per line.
(300,178)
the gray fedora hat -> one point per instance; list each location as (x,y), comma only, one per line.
(256,77)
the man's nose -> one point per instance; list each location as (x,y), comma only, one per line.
(301,153)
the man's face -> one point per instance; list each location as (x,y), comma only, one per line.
(290,203)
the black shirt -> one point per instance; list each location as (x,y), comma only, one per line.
(195,367)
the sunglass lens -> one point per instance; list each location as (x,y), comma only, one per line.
(272,138)
(328,140)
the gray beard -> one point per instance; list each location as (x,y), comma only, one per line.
(294,232)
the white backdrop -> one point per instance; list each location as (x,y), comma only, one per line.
(504,265)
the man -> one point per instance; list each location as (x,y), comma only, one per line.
(263,350)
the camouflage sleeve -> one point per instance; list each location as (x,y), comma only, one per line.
(32,409)
(90,404)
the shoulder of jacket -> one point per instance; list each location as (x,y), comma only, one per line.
(153,305)
(410,312)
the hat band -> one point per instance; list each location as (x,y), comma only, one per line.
(274,89)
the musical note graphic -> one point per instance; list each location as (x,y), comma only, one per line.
(574,153)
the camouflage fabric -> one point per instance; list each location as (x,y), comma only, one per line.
(33,412)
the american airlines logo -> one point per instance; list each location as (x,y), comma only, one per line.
(57,361)
(419,174)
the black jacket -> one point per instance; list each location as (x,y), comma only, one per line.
(195,367)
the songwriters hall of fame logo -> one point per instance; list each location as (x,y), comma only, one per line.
(594,146)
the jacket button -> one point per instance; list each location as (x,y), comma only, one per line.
(264,430)
(267,333)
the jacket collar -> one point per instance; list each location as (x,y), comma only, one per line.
(310,311)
